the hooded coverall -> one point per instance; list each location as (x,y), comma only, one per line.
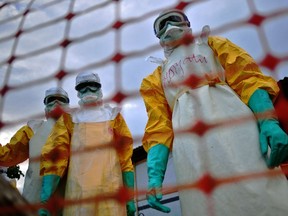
(224,151)
(97,172)
(27,143)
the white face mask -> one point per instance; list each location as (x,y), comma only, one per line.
(90,97)
(172,34)
(51,108)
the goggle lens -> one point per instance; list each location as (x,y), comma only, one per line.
(93,86)
(88,84)
(174,18)
(54,98)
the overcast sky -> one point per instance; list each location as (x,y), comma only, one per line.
(94,42)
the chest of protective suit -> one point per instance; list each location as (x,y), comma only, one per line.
(195,59)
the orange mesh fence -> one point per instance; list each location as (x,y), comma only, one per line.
(47,43)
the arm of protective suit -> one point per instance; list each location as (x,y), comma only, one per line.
(17,150)
(159,126)
(271,133)
(55,157)
(243,74)
(55,153)
(158,136)
(124,142)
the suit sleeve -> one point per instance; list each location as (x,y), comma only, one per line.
(55,153)
(158,129)
(124,142)
(17,150)
(243,74)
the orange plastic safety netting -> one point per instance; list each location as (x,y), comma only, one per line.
(47,43)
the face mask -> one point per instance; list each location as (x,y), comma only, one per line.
(55,109)
(172,34)
(89,97)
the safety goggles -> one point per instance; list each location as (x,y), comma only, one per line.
(93,86)
(174,18)
(51,99)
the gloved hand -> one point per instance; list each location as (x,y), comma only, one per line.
(43,212)
(49,185)
(157,159)
(271,133)
(128,180)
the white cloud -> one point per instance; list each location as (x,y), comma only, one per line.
(93,21)
(138,8)
(276,30)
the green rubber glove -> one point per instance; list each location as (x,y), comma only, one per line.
(271,133)
(128,180)
(49,185)
(157,159)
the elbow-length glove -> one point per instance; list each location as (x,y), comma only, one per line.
(49,185)
(128,180)
(157,159)
(271,133)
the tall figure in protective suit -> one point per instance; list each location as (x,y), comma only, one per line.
(231,87)
(99,171)
(28,141)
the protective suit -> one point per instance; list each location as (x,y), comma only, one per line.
(281,106)
(229,77)
(29,140)
(98,171)
(281,103)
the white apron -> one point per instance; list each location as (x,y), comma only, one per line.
(224,151)
(97,172)
(33,180)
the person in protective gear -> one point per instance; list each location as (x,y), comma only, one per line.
(227,86)
(104,169)
(28,141)
(281,107)
(281,103)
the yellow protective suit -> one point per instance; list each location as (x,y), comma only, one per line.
(97,172)
(27,143)
(223,151)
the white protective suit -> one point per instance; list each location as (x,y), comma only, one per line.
(23,146)
(33,181)
(96,172)
(27,143)
(224,151)
(98,167)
